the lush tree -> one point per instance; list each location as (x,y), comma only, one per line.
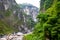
(49,23)
(48,26)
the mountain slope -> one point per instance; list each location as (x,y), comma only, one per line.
(31,10)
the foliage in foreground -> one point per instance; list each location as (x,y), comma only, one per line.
(48,26)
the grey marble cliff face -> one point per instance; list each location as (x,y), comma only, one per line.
(18,19)
(5,4)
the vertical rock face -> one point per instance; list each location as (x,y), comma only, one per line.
(19,19)
(5,4)
(45,4)
(42,5)
(30,10)
(6,18)
(29,16)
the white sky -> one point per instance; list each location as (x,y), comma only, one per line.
(33,2)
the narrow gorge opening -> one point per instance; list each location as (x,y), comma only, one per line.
(29,20)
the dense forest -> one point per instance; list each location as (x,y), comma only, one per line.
(14,19)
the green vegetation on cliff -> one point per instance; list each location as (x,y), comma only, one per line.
(5,27)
